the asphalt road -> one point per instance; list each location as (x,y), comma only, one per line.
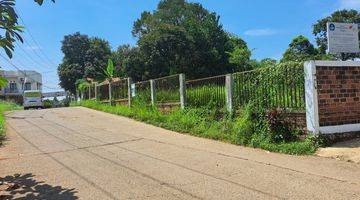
(77,153)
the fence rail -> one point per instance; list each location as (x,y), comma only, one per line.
(206,91)
(142,92)
(271,87)
(103,92)
(280,86)
(167,89)
(120,89)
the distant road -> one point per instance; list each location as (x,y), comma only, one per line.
(77,153)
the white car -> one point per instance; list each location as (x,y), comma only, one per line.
(33,99)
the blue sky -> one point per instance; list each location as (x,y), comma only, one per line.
(267,26)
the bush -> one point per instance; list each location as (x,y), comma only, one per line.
(279,129)
(250,128)
(5,106)
(47,103)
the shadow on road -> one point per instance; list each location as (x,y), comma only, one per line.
(24,186)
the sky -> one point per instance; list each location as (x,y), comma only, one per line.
(268,26)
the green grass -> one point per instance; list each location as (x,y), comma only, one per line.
(208,123)
(5,106)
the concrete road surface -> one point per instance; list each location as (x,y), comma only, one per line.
(77,153)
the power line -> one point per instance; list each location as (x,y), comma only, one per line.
(24,73)
(29,57)
(33,39)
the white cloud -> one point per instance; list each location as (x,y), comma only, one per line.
(260,32)
(350,4)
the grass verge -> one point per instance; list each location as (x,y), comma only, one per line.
(208,123)
(5,106)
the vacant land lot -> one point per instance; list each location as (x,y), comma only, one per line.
(75,153)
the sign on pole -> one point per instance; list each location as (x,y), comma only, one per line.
(342,38)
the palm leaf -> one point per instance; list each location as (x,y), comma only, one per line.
(3,82)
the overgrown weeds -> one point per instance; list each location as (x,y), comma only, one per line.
(253,127)
(5,106)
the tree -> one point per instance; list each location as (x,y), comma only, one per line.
(84,57)
(81,86)
(319,29)
(300,49)
(72,68)
(182,37)
(240,54)
(96,57)
(69,73)
(9,24)
(120,57)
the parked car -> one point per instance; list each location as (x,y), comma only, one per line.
(33,99)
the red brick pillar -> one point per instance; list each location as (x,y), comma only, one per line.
(332,90)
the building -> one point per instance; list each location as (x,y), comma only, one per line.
(19,81)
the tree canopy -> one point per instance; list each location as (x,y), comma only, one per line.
(319,28)
(183,37)
(84,57)
(300,49)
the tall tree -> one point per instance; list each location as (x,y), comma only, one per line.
(96,58)
(300,49)
(240,54)
(84,57)
(320,32)
(182,37)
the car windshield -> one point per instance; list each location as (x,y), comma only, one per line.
(32,94)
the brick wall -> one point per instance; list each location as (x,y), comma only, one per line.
(338,95)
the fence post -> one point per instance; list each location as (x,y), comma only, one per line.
(129,81)
(229,84)
(182,90)
(95,92)
(110,97)
(153,92)
(89,92)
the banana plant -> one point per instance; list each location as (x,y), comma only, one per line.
(3,82)
(109,73)
(81,86)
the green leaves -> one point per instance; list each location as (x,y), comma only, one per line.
(109,72)
(40,2)
(184,37)
(3,82)
(82,85)
(9,24)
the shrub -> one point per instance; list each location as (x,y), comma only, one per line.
(47,103)
(250,128)
(5,106)
(279,129)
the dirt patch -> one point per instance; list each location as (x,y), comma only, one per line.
(346,151)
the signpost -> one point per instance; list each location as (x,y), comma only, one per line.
(342,38)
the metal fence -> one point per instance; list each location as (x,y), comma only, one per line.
(206,92)
(103,91)
(92,92)
(280,86)
(119,90)
(273,87)
(142,91)
(167,89)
